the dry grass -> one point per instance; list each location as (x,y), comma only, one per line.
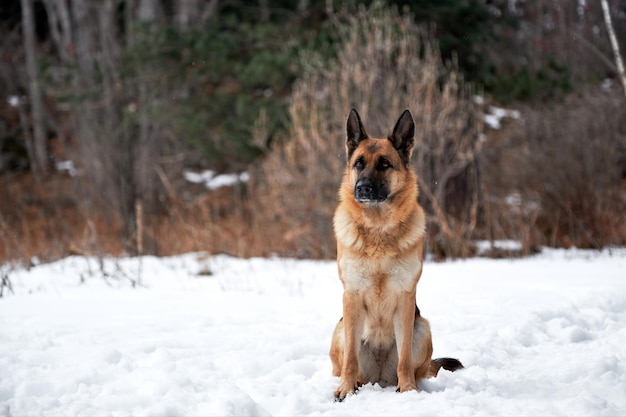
(555,178)
(385,64)
(45,221)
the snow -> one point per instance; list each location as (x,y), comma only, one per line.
(216,335)
(511,245)
(212,181)
(67,166)
(494,116)
(14,101)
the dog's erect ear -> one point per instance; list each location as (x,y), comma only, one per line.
(402,136)
(356,132)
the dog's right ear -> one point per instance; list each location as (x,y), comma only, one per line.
(402,136)
(355,131)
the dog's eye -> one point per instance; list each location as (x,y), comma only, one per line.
(359,164)
(383,164)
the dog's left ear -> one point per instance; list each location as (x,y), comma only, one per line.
(355,132)
(402,136)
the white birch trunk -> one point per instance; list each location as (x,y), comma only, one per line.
(618,56)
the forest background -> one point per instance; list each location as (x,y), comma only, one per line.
(108,108)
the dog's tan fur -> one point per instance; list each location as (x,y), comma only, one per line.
(382,337)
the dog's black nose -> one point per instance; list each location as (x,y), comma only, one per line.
(364,190)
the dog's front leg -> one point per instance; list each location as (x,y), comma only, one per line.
(353,329)
(403,326)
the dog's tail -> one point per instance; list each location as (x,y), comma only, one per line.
(449,364)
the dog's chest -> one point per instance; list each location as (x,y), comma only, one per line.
(380,276)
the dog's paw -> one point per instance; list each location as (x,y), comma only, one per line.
(407,387)
(344,389)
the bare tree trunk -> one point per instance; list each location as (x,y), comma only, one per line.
(28,135)
(618,57)
(60,27)
(148,10)
(265,10)
(129,21)
(303,8)
(39,160)
(208,12)
(84,40)
(185,11)
(194,13)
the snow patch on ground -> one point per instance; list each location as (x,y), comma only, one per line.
(212,181)
(484,246)
(199,335)
(494,116)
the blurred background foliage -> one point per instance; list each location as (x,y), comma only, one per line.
(136,92)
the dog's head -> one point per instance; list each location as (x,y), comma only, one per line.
(378,167)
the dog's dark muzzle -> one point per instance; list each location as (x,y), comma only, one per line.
(367,191)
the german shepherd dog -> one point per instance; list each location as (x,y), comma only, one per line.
(380,228)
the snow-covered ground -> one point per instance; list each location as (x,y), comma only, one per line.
(222,336)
